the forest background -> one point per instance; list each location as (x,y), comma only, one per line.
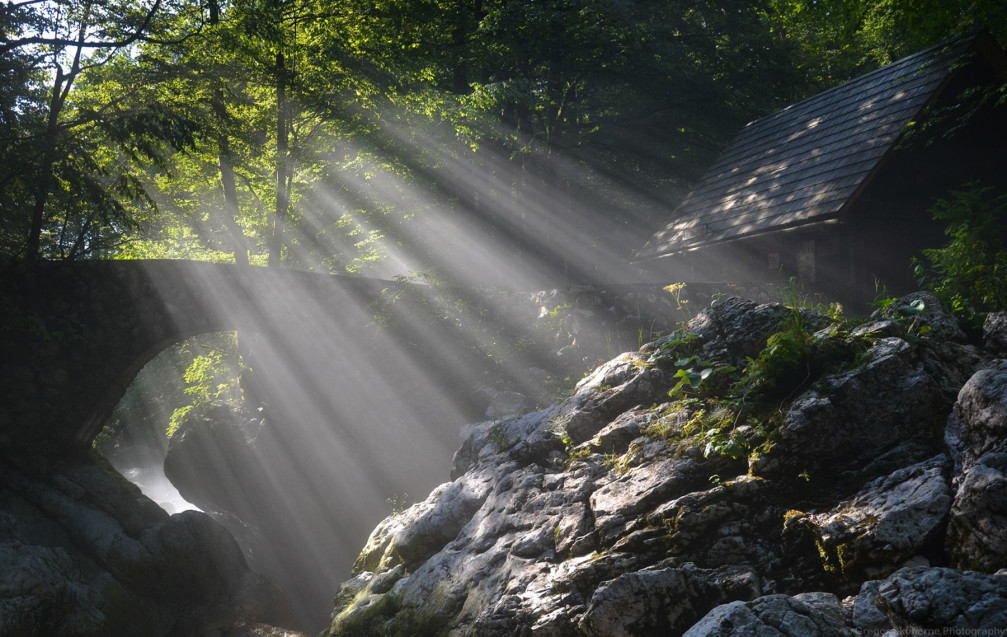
(388,137)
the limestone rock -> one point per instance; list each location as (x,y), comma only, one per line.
(866,614)
(978,422)
(624,499)
(659,601)
(613,388)
(891,519)
(617,435)
(976,537)
(437,522)
(772,616)
(925,598)
(736,328)
(854,416)
(995,334)
(83,552)
(609,514)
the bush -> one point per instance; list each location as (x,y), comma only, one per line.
(969,274)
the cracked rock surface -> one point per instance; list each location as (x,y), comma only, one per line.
(857,497)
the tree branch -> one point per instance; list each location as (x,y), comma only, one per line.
(135,36)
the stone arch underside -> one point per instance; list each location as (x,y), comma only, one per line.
(76,334)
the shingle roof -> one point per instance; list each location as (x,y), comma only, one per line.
(805,162)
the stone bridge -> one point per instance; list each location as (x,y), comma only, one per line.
(74,335)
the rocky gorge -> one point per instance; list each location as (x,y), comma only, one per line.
(763,471)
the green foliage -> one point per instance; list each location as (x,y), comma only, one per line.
(618,464)
(498,434)
(557,427)
(781,367)
(149,402)
(212,377)
(794,296)
(72,140)
(841,39)
(677,346)
(734,412)
(691,377)
(969,274)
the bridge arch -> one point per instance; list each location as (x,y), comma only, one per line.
(76,334)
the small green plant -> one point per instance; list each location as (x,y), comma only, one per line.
(782,366)
(558,319)
(691,377)
(718,426)
(725,443)
(969,274)
(618,464)
(736,412)
(498,435)
(557,427)
(665,425)
(681,303)
(882,299)
(577,454)
(793,295)
(904,313)
(679,346)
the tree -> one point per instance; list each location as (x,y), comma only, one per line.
(602,111)
(969,273)
(840,39)
(61,43)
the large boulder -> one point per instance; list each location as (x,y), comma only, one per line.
(854,417)
(975,535)
(978,422)
(736,329)
(776,616)
(890,520)
(977,439)
(995,334)
(942,599)
(924,314)
(656,601)
(83,552)
(865,614)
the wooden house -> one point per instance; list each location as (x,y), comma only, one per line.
(836,189)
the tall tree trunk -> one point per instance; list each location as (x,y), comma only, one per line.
(33,247)
(60,90)
(231,212)
(230,216)
(282,151)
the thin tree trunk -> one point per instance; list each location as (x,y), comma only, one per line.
(282,149)
(33,247)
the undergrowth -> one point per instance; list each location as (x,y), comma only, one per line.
(734,411)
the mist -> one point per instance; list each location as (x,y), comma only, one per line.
(338,421)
